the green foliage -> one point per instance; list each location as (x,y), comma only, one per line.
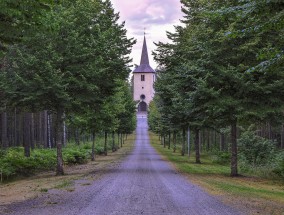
(13,163)
(259,156)
(279,167)
(75,155)
(255,150)
(223,67)
(222,158)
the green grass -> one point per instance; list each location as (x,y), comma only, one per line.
(255,194)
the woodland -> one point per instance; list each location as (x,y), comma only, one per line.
(64,68)
(220,84)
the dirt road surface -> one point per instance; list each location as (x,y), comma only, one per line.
(142,184)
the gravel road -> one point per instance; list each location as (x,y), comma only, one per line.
(142,184)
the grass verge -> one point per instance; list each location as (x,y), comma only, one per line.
(249,194)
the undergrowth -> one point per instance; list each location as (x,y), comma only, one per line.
(13,163)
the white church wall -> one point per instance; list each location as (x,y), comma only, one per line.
(144,87)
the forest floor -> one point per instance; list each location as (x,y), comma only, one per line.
(32,187)
(252,194)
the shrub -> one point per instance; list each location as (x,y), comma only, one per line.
(255,150)
(259,156)
(279,168)
(74,156)
(222,158)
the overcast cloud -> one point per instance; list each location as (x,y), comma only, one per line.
(157,16)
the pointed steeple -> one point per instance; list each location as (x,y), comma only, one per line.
(144,62)
(144,55)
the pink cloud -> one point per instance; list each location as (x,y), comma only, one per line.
(145,13)
(157,16)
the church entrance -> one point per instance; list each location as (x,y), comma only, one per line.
(142,106)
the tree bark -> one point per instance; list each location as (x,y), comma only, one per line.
(169,146)
(183,143)
(77,136)
(45,129)
(175,141)
(59,135)
(282,137)
(222,142)
(32,130)
(4,133)
(27,135)
(234,150)
(118,137)
(93,156)
(188,142)
(113,142)
(197,147)
(105,146)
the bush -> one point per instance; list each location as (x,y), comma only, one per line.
(222,158)
(279,168)
(75,156)
(14,163)
(259,156)
(255,150)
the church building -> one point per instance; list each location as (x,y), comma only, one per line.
(143,81)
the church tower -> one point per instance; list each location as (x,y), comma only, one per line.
(143,81)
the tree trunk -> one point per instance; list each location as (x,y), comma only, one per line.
(93,147)
(188,142)
(48,130)
(59,135)
(45,129)
(113,142)
(197,147)
(77,137)
(105,146)
(208,140)
(234,155)
(64,132)
(27,135)
(222,142)
(164,140)
(15,127)
(32,130)
(175,141)
(118,137)
(4,133)
(282,137)
(183,143)
(169,146)
(121,140)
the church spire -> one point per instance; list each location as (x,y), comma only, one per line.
(144,55)
(144,63)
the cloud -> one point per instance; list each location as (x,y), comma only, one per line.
(140,14)
(157,16)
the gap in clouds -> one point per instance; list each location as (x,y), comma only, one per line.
(157,16)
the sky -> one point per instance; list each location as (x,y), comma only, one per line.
(156,16)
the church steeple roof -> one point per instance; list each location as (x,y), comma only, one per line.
(144,55)
(144,62)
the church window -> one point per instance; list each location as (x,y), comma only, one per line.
(142,77)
